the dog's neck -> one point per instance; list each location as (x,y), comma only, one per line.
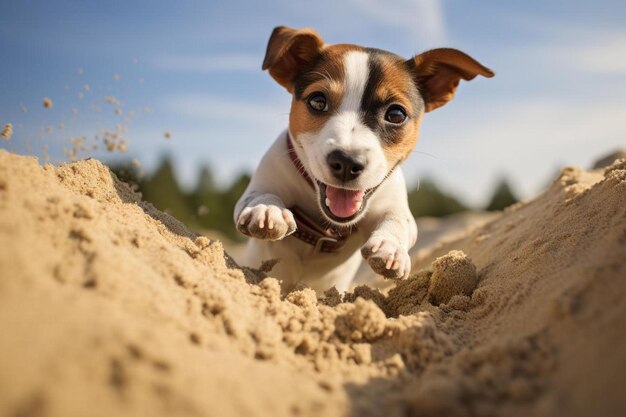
(296,160)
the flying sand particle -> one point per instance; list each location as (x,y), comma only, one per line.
(77,141)
(47,103)
(110,145)
(111,100)
(7,132)
(167,135)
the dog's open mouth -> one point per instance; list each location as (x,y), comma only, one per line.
(342,205)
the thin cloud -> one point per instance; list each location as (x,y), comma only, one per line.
(423,20)
(528,140)
(573,47)
(227,111)
(210,63)
(605,55)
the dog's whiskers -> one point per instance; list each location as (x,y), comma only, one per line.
(325,76)
(436,158)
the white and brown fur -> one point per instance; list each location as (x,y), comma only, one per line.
(360,85)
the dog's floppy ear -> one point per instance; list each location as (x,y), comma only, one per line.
(439,71)
(288,50)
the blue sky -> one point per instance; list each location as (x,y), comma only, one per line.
(558,96)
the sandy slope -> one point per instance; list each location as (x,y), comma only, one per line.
(111,308)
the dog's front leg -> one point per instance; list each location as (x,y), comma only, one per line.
(387,249)
(263,216)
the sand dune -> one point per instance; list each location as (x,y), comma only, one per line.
(109,307)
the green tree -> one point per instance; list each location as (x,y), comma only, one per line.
(162,190)
(235,191)
(206,181)
(213,207)
(229,198)
(429,200)
(502,197)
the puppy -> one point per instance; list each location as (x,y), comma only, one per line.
(331,183)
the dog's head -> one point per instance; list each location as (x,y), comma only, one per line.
(356,112)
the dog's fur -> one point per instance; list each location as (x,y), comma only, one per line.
(358,87)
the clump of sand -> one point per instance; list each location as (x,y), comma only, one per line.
(110,307)
(453,274)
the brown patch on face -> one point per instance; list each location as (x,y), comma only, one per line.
(391,84)
(302,119)
(324,74)
(400,151)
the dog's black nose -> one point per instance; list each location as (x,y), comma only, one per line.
(345,167)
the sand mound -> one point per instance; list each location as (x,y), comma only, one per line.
(453,274)
(109,307)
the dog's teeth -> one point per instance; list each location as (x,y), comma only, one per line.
(358,205)
(327,202)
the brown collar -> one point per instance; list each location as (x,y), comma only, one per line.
(327,240)
(297,162)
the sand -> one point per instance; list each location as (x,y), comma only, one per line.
(109,307)
(452,274)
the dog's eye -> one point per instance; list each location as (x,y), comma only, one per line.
(395,114)
(317,101)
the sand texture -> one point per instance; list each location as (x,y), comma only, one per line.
(109,307)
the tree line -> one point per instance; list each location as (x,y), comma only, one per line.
(208,206)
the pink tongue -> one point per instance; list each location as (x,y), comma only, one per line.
(343,203)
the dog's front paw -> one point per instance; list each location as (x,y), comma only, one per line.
(266,222)
(387,257)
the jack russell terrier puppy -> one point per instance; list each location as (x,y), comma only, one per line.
(329,190)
